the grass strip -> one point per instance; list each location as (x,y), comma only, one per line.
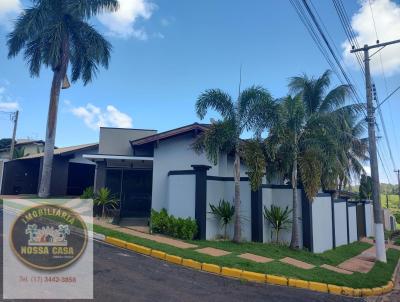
(378,276)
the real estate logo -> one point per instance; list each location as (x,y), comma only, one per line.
(48,237)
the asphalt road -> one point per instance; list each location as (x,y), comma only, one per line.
(121,275)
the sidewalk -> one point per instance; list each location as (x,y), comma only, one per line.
(157,238)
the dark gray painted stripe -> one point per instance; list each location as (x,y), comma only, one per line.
(257,230)
(347,222)
(333,223)
(201,199)
(181,172)
(306,210)
(225,178)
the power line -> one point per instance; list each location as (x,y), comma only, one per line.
(375,94)
(387,92)
(313,26)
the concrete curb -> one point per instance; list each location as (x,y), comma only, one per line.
(252,276)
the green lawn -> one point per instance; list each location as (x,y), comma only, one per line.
(393,201)
(378,276)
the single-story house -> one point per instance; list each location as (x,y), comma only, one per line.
(29,147)
(150,170)
(70,176)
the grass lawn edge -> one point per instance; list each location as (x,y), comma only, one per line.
(379,278)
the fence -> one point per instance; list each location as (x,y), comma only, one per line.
(324,223)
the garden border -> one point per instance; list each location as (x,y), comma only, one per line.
(255,277)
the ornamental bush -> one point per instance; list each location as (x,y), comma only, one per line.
(181,228)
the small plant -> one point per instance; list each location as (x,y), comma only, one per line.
(224,212)
(104,199)
(278,218)
(181,228)
(88,193)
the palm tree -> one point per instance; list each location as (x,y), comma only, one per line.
(351,152)
(55,33)
(224,134)
(306,134)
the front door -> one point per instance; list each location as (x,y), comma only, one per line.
(133,189)
(136,193)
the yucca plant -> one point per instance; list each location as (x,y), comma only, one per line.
(278,218)
(104,199)
(224,212)
(88,193)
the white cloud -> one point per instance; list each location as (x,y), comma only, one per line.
(9,106)
(8,10)
(387,20)
(6,102)
(122,22)
(95,117)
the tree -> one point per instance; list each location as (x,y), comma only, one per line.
(365,187)
(278,218)
(224,134)
(303,136)
(19,152)
(56,34)
(351,150)
(5,143)
(224,212)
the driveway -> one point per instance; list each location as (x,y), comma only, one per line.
(121,275)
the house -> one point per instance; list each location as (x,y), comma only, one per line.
(70,176)
(148,170)
(28,146)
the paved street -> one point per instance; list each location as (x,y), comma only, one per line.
(122,275)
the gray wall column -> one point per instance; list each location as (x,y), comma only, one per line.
(100,176)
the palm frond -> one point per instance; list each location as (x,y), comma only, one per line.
(217,100)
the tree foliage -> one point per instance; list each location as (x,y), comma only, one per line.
(50,27)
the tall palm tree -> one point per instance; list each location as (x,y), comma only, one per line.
(351,152)
(224,134)
(56,34)
(304,134)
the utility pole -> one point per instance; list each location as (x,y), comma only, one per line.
(398,182)
(15,120)
(378,214)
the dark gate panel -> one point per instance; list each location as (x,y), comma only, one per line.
(80,176)
(136,193)
(361,227)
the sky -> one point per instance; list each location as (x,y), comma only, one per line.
(166,52)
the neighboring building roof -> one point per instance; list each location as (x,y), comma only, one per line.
(28,141)
(65,151)
(23,142)
(170,133)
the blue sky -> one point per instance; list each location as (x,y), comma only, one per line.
(165,53)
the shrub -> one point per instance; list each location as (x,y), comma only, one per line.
(88,193)
(278,218)
(181,228)
(224,212)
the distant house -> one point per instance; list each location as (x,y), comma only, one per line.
(28,146)
(70,176)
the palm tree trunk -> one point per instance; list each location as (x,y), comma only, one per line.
(58,76)
(294,242)
(237,228)
(277,235)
